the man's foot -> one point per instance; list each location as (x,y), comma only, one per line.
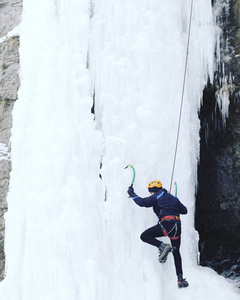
(182,283)
(164,249)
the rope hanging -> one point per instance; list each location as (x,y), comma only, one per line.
(183,88)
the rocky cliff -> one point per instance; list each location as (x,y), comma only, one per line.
(218,197)
(10,16)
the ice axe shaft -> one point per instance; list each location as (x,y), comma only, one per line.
(134,173)
(175,183)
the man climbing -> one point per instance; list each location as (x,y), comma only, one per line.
(167,208)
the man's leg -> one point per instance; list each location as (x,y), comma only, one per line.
(177,256)
(149,236)
(182,283)
(174,233)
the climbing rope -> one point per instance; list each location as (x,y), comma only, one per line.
(183,88)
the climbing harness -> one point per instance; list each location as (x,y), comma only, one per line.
(170,218)
(175,236)
(163,229)
(183,87)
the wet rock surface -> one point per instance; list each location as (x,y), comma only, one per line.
(218,197)
(10,16)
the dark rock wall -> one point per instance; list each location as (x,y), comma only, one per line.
(218,197)
(10,17)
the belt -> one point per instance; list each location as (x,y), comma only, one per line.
(170,218)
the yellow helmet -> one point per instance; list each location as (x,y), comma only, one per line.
(155,183)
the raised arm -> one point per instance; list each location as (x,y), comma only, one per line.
(145,202)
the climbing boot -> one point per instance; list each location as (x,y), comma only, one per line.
(164,249)
(182,283)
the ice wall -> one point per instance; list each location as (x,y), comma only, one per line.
(71,230)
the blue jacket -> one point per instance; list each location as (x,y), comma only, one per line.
(163,203)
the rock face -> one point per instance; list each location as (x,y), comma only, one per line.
(10,16)
(218,198)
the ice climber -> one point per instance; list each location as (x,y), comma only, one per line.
(167,208)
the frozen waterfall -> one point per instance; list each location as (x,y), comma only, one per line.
(101,84)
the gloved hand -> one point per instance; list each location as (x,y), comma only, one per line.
(130,190)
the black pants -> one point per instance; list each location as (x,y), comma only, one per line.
(173,229)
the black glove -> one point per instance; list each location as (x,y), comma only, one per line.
(130,190)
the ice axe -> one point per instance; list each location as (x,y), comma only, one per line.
(134,173)
(175,183)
